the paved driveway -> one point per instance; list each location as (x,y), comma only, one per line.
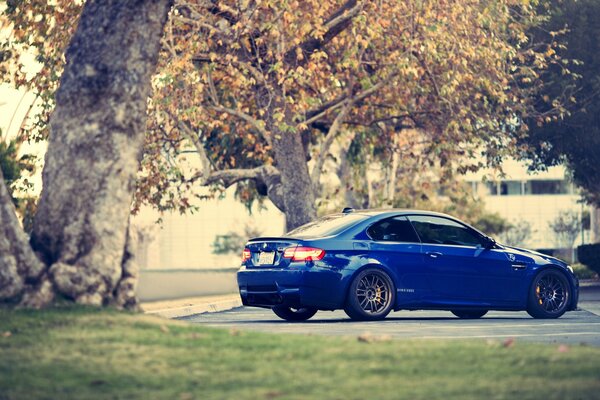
(574,327)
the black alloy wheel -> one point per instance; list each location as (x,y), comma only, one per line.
(549,295)
(469,314)
(371,295)
(294,314)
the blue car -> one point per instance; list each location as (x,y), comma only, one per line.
(370,262)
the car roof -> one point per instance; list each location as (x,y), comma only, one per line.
(398,211)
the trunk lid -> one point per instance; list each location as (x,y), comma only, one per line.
(267,252)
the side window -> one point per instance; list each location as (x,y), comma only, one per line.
(439,230)
(396,229)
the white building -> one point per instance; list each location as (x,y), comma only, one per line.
(536,198)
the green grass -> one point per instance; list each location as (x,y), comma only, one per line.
(90,354)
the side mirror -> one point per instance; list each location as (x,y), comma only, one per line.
(489,242)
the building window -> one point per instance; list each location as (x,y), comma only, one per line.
(533,187)
(547,187)
(492,188)
(510,188)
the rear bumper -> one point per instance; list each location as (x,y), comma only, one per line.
(293,287)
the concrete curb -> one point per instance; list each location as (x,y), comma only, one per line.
(209,307)
(589,282)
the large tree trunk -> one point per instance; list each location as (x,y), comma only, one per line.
(298,194)
(18,263)
(97,133)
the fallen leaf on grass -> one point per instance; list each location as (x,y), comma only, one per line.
(234,332)
(198,335)
(273,394)
(165,329)
(7,334)
(508,342)
(367,337)
(563,348)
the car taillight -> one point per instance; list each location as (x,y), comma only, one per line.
(304,253)
(246,255)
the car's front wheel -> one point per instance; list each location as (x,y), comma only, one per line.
(469,314)
(549,295)
(371,295)
(294,314)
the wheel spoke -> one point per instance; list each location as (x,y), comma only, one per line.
(363,303)
(373,293)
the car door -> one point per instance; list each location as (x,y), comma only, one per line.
(460,269)
(396,245)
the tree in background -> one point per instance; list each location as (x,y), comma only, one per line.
(233,241)
(257,92)
(576,137)
(566,227)
(79,247)
(517,234)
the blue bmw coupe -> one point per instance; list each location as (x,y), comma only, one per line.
(370,262)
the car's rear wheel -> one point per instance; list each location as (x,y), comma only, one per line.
(294,314)
(469,314)
(371,295)
(549,295)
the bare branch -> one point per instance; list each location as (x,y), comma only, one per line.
(327,142)
(228,177)
(200,150)
(267,178)
(322,111)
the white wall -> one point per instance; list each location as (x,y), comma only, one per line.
(184,241)
(537,210)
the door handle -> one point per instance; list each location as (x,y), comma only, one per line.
(434,254)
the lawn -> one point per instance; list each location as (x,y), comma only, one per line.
(83,353)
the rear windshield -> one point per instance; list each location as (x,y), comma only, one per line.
(326,226)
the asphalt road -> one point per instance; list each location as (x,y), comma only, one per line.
(575,327)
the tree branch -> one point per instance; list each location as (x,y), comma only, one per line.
(256,124)
(340,101)
(327,142)
(267,178)
(200,150)
(258,76)
(335,24)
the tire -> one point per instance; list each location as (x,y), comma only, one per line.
(371,295)
(294,314)
(549,295)
(469,314)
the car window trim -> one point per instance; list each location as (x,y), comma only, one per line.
(469,228)
(393,241)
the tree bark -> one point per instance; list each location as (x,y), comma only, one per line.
(298,193)
(97,133)
(17,261)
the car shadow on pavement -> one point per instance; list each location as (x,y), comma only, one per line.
(384,321)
